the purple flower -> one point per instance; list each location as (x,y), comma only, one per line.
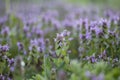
(11,64)
(93,28)
(11,61)
(39,32)
(77,24)
(4,48)
(93,24)
(3,19)
(28,35)
(48,16)
(56,24)
(65,33)
(39,44)
(82,36)
(2,77)
(59,37)
(85,23)
(25,52)
(12,68)
(67,23)
(98,31)
(20,45)
(25,29)
(5,31)
(104,23)
(9,79)
(103,55)
(92,59)
(88,35)
(33,43)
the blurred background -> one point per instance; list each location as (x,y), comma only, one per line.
(7,6)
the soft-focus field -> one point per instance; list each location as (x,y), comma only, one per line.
(59,41)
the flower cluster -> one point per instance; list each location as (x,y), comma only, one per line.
(60,42)
(6,63)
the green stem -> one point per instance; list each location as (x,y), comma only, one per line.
(45,68)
